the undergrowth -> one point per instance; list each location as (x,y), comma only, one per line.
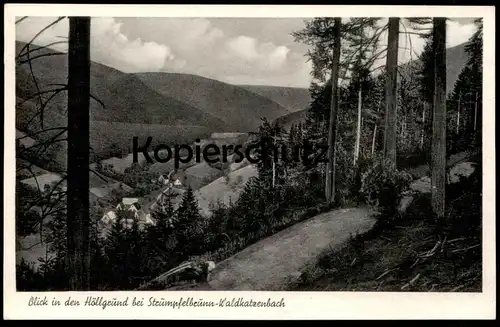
(417,254)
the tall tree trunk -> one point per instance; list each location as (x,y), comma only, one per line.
(274,173)
(422,137)
(475,113)
(78,223)
(458,112)
(332,128)
(358,131)
(390,130)
(374,138)
(403,130)
(438,167)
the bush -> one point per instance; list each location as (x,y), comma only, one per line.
(464,206)
(382,186)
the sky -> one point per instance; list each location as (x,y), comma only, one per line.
(258,51)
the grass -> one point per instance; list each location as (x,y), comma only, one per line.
(410,257)
(104,134)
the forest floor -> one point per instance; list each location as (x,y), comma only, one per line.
(277,262)
(413,256)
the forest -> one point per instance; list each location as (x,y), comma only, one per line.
(380,125)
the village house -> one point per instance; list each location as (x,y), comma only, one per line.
(131,204)
(109,217)
(178,179)
(164,180)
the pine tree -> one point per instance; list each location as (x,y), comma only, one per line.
(137,253)
(114,244)
(189,226)
(251,208)
(161,237)
(119,250)
(270,141)
(218,229)
(426,72)
(332,126)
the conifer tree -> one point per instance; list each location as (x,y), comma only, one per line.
(189,226)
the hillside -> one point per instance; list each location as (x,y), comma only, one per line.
(293,117)
(125,98)
(160,105)
(292,98)
(238,107)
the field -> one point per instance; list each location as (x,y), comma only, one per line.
(104,134)
(224,189)
(201,174)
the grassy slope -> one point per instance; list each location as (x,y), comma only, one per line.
(224,189)
(240,108)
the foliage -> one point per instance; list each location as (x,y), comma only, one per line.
(416,256)
(382,186)
(189,226)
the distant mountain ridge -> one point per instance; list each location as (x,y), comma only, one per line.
(238,107)
(292,98)
(187,106)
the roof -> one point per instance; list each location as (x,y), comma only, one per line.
(130,201)
(111,214)
(180,175)
(42,180)
(24,140)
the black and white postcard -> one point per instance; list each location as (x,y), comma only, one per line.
(249,162)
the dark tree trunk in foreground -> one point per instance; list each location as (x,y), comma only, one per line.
(78,223)
(332,128)
(438,162)
(390,130)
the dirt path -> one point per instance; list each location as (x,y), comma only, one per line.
(269,263)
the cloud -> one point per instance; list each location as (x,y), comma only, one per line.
(241,51)
(188,45)
(266,56)
(243,47)
(108,44)
(458,32)
(223,53)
